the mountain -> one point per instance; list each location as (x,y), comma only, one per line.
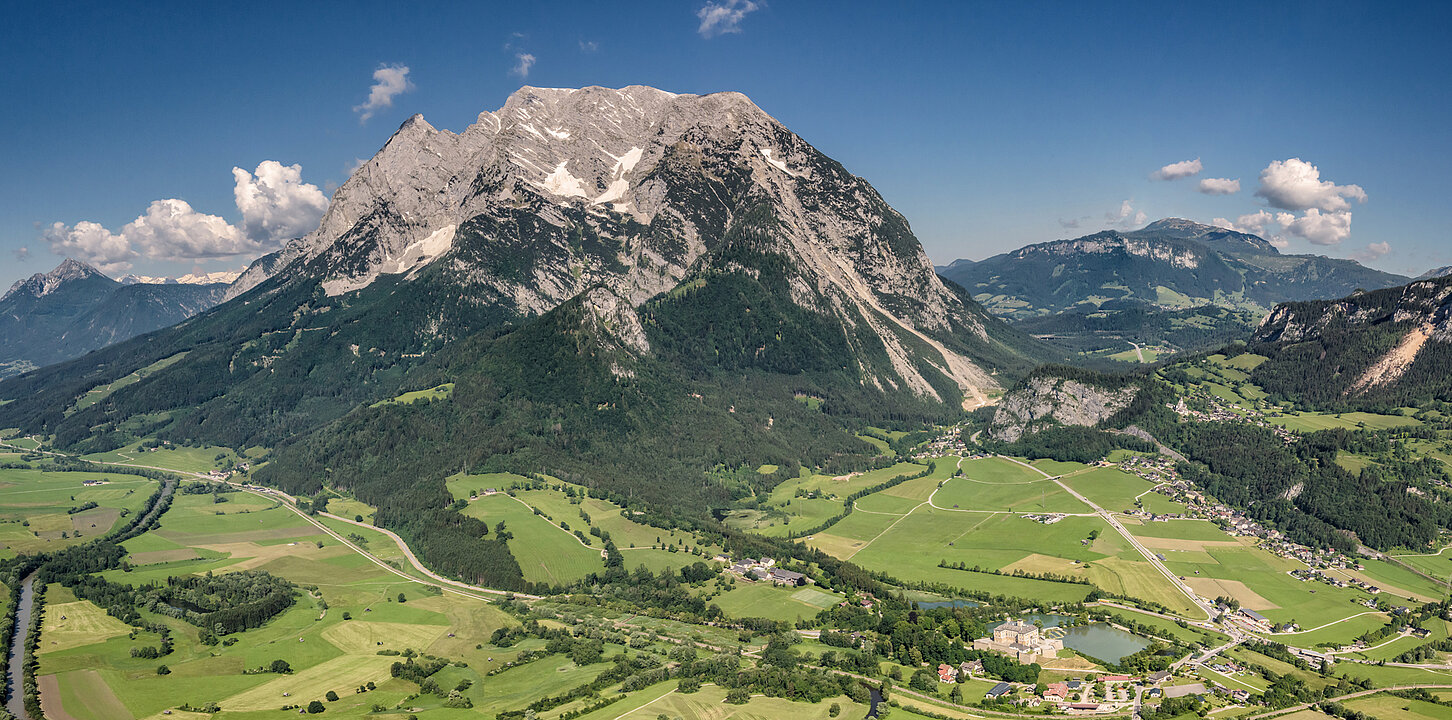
(1443,271)
(627,287)
(1383,348)
(74,309)
(225,277)
(1171,265)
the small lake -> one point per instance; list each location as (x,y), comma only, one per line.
(1098,640)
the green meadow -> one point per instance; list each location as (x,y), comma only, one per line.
(41,510)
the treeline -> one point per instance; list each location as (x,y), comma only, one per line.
(847,503)
(1067,443)
(1299,487)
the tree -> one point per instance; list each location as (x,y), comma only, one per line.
(331,696)
(280,667)
(834,710)
(401,598)
(163,670)
(316,707)
(738,696)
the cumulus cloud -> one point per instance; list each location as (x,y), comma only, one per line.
(92,243)
(1321,228)
(719,18)
(171,230)
(389,81)
(1126,218)
(21,254)
(276,204)
(523,62)
(1219,186)
(589,46)
(1295,184)
(1175,171)
(1372,251)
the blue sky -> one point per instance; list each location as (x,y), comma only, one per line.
(989,125)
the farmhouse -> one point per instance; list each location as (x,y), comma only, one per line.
(998,691)
(1088,708)
(787,577)
(1020,641)
(1057,692)
(1255,619)
(947,673)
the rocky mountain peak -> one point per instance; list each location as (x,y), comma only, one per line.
(42,284)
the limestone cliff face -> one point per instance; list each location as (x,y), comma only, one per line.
(1047,400)
(631,189)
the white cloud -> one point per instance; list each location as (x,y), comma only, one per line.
(1127,218)
(525,61)
(21,254)
(91,243)
(1255,223)
(719,18)
(276,204)
(1295,184)
(390,81)
(172,230)
(1322,228)
(1219,186)
(1373,251)
(1175,171)
(589,46)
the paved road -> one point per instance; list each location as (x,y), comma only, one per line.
(1350,696)
(1133,542)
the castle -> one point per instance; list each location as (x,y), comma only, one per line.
(1020,641)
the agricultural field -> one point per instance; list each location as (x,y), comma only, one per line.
(763,599)
(1001,485)
(172,457)
(546,553)
(434,393)
(1111,488)
(1221,565)
(42,510)
(1312,422)
(1389,706)
(809,500)
(87,671)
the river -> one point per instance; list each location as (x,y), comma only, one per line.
(16,669)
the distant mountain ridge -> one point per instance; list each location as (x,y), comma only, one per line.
(1171,264)
(1175,285)
(74,309)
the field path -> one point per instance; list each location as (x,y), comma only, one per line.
(1329,624)
(1133,542)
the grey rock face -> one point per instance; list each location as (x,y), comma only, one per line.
(1045,399)
(563,190)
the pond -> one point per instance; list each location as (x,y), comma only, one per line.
(1097,640)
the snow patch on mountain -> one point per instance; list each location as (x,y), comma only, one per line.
(412,258)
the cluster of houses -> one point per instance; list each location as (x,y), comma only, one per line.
(1072,697)
(1045,518)
(756,569)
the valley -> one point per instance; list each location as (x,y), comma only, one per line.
(622,403)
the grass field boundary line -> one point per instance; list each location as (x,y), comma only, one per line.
(889,527)
(663,696)
(540,514)
(1435,554)
(1348,696)
(1133,542)
(875,512)
(1329,624)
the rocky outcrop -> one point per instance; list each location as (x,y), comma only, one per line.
(1045,400)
